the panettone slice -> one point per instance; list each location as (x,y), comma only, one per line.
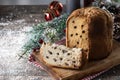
(63,57)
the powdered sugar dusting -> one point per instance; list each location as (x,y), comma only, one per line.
(12,40)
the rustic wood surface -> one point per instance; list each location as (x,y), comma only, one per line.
(90,68)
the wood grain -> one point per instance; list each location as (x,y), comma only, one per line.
(90,68)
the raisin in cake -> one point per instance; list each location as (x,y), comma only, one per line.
(91,29)
(61,56)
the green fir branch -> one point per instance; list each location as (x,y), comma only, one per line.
(47,31)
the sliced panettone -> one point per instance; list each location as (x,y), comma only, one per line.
(91,29)
(61,56)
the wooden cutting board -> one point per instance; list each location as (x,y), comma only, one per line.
(90,68)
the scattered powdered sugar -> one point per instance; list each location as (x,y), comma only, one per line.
(19,21)
(26,28)
(13,22)
(13,29)
(11,41)
(4,24)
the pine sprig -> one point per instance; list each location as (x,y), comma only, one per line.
(47,31)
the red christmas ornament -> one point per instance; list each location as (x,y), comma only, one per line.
(48,16)
(56,5)
(51,14)
(52,4)
(54,10)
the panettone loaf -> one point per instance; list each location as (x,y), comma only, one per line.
(91,29)
(61,56)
